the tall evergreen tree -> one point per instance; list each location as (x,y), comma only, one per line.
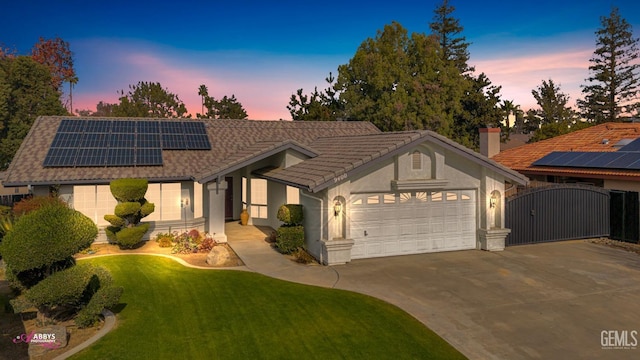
(317,106)
(148,99)
(613,84)
(554,104)
(448,31)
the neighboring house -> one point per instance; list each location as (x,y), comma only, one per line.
(606,155)
(8,196)
(364,193)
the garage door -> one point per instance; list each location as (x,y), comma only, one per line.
(412,222)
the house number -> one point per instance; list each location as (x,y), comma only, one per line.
(339,178)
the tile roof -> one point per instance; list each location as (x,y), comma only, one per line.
(598,138)
(342,157)
(228,139)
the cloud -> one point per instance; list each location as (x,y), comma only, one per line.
(262,82)
(519,74)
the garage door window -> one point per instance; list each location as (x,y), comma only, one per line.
(357,202)
(405,197)
(375,199)
(389,199)
(452,196)
(421,196)
(436,196)
(465,197)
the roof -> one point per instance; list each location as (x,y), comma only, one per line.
(335,151)
(229,139)
(342,158)
(597,139)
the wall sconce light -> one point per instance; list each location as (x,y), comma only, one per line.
(492,202)
(337,208)
(185,202)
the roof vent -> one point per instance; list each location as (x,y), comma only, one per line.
(605,141)
(623,143)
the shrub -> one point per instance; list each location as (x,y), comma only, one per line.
(206,244)
(195,235)
(128,189)
(289,238)
(164,241)
(131,236)
(184,244)
(45,236)
(115,221)
(124,209)
(303,257)
(147,208)
(33,203)
(105,297)
(290,214)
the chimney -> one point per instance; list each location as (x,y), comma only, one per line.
(489,141)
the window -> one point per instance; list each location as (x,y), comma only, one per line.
(389,199)
(452,196)
(405,197)
(357,202)
(421,196)
(416,160)
(373,199)
(293,195)
(436,196)
(259,198)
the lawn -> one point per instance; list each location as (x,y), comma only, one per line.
(172,312)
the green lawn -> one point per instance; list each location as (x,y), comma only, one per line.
(173,312)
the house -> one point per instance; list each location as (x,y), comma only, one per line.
(605,155)
(364,193)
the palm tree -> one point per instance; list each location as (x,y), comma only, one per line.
(203,92)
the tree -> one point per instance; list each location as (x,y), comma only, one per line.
(147,99)
(447,29)
(229,108)
(39,257)
(56,55)
(479,108)
(126,229)
(226,108)
(398,82)
(614,76)
(325,106)
(513,116)
(26,92)
(554,104)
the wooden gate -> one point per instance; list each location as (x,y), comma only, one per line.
(556,213)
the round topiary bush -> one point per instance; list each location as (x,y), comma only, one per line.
(131,236)
(48,235)
(128,189)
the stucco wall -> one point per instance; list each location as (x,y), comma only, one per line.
(622,185)
(314,220)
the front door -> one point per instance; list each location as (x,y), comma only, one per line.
(228,199)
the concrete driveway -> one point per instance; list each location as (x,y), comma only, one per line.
(546,301)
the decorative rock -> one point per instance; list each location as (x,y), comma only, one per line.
(47,338)
(218,256)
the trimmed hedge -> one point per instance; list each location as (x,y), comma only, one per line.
(147,208)
(129,189)
(61,288)
(45,236)
(125,209)
(114,220)
(290,214)
(289,238)
(130,237)
(105,297)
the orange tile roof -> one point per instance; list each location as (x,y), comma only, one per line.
(590,139)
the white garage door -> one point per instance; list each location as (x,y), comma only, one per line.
(412,222)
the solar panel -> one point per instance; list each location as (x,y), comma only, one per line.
(600,160)
(57,157)
(194,127)
(120,157)
(91,157)
(623,160)
(127,127)
(197,142)
(171,127)
(72,126)
(148,141)
(632,146)
(122,140)
(148,157)
(577,159)
(94,140)
(173,142)
(98,126)
(148,127)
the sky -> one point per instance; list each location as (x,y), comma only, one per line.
(263,51)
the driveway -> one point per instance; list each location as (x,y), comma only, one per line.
(546,301)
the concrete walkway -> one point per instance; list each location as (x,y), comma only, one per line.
(257,254)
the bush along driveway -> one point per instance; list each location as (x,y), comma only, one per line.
(168,311)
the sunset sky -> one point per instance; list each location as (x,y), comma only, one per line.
(264,51)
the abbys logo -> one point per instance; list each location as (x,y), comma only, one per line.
(619,339)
